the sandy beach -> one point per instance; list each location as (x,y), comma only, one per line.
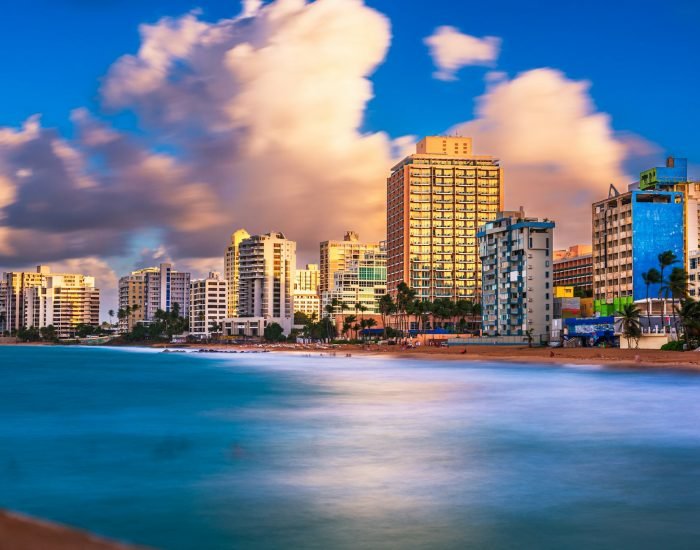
(611,357)
(19,532)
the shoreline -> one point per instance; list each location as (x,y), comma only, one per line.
(28,533)
(604,357)
(638,359)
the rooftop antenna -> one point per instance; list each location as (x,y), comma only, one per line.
(613,192)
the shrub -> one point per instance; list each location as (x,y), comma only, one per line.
(676,345)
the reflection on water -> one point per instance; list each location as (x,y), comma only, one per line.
(269,451)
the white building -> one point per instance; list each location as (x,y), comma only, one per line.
(41,299)
(517,273)
(266,279)
(208,303)
(306,285)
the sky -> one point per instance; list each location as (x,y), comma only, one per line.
(133,132)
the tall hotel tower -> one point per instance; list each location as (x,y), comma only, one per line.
(436,201)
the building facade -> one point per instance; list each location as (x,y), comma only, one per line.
(208,304)
(630,230)
(674,177)
(306,291)
(574,267)
(517,275)
(358,287)
(42,298)
(231,269)
(339,255)
(266,279)
(147,290)
(437,199)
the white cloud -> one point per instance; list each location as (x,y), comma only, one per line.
(451,50)
(559,152)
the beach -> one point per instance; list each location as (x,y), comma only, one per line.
(18,532)
(611,357)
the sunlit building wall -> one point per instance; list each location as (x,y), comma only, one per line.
(231,268)
(437,199)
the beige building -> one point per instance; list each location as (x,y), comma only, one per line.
(573,267)
(147,290)
(208,303)
(437,199)
(40,299)
(231,267)
(306,293)
(339,255)
(266,279)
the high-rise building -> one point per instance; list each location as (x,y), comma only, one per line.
(266,279)
(517,291)
(231,267)
(437,199)
(306,294)
(574,267)
(338,255)
(41,299)
(147,290)
(3,305)
(361,282)
(674,177)
(630,230)
(208,303)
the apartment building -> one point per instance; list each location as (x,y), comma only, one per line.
(437,199)
(339,255)
(306,291)
(231,270)
(208,305)
(517,275)
(574,267)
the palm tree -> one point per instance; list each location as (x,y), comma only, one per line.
(329,311)
(404,297)
(529,335)
(110,313)
(349,322)
(678,287)
(689,315)
(369,323)
(629,324)
(651,277)
(386,308)
(666,259)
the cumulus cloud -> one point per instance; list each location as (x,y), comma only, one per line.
(559,152)
(451,50)
(261,116)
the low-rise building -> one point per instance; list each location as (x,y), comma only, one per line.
(208,303)
(574,267)
(517,289)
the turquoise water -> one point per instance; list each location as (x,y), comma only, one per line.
(191,451)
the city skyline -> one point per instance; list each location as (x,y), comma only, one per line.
(143,166)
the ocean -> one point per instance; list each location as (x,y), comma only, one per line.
(267,451)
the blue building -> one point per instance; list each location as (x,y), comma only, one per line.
(630,230)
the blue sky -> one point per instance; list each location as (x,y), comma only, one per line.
(191,150)
(641,57)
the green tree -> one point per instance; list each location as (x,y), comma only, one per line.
(678,288)
(529,335)
(48,333)
(84,330)
(630,327)
(651,277)
(110,313)
(274,333)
